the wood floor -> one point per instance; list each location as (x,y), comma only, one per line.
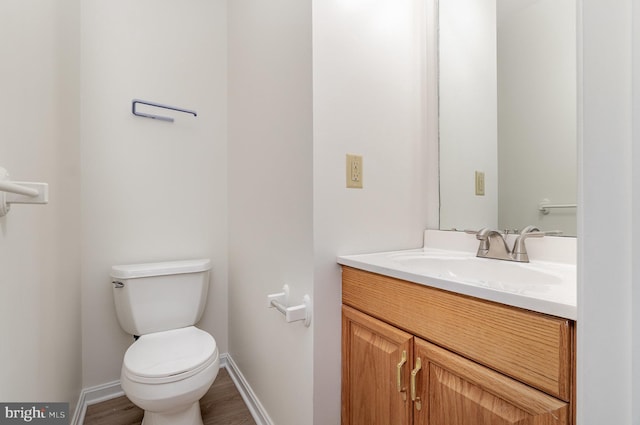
(222,405)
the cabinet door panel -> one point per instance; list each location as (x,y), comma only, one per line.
(370,357)
(456,391)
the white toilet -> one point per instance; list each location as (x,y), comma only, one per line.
(172,364)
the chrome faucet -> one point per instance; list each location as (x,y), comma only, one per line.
(493,244)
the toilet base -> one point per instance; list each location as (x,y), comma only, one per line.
(189,416)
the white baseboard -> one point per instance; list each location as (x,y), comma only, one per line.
(111,390)
(256,409)
(93,395)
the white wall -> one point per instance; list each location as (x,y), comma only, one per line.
(468,117)
(40,350)
(607,304)
(537,114)
(369,98)
(608,307)
(635,211)
(151,190)
(270,200)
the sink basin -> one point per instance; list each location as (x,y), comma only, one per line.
(462,267)
(543,286)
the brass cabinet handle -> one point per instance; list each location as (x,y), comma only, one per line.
(414,372)
(399,376)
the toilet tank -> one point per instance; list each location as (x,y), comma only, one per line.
(154,297)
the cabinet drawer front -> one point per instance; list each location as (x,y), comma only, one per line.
(528,346)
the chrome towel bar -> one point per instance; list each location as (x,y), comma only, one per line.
(134,102)
(544,206)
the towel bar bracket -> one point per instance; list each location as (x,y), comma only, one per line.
(12,192)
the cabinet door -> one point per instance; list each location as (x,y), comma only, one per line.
(455,391)
(372,368)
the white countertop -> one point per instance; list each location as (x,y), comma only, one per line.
(544,286)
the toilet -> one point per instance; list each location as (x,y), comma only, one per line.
(171,364)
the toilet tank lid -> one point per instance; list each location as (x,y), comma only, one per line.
(132,271)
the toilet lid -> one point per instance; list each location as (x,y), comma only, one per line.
(169,353)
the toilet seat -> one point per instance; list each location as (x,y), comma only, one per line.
(169,356)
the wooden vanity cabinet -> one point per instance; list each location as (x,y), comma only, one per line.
(383,356)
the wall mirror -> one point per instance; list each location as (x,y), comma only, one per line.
(508,114)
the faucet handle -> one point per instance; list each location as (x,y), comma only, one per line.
(520,250)
(539,234)
(480,234)
(534,232)
(529,229)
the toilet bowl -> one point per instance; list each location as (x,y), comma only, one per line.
(172,363)
(166,374)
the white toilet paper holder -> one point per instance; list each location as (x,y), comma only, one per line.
(280,301)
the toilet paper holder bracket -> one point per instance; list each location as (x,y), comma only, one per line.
(280,301)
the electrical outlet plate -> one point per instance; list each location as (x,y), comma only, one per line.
(479,183)
(354,171)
